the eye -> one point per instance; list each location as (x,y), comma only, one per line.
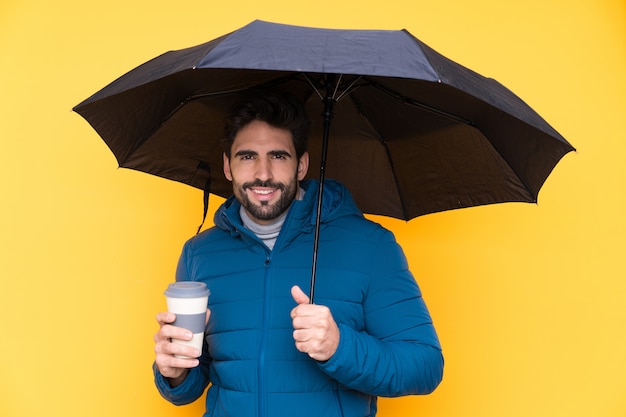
(280,155)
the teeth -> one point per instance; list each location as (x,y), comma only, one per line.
(263,192)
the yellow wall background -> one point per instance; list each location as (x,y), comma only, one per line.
(529,300)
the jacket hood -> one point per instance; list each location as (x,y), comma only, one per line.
(337,202)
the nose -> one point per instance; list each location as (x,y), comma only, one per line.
(263,169)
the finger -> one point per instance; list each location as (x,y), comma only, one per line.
(208,314)
(169,364)
(301,335)
(301,340)
(165,317)
(169,347)
(172,332)
(181,363)
(181,352)
(299,296)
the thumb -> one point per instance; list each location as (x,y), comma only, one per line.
(299,296)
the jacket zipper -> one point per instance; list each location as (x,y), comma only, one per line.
(263,341)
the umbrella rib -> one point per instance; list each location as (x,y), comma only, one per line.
(349,88)
(238,90)
(306,77)
(244,89)
(382,140)
(419,104)
(194,97)
(346,91)
(448,115)
(156,127)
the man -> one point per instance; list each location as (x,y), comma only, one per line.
(268,352)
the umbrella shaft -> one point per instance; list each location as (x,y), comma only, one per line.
(329,103)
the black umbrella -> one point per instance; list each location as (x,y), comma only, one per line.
(412,131)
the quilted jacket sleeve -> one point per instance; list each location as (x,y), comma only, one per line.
(398,353)
(187,392)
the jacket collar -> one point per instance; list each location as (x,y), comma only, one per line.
(337,202)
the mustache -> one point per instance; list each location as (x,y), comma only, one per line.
(265,184)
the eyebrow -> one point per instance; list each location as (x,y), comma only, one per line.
(280,153)
(245,152)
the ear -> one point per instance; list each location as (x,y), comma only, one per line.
(227,173)
(303,166)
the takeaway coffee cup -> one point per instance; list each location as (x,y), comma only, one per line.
(189,300)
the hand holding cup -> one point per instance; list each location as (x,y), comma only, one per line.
(181,329)
(188,300)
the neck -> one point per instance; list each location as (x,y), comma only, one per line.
(267,232)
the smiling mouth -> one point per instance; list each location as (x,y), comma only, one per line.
(262,192)
(263,195)
(262,188)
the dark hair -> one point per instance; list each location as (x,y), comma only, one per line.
(276,109)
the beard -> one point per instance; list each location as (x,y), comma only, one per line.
(266,211)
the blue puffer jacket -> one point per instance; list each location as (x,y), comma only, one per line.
(388,345)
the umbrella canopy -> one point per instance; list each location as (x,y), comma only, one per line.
(412,131)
